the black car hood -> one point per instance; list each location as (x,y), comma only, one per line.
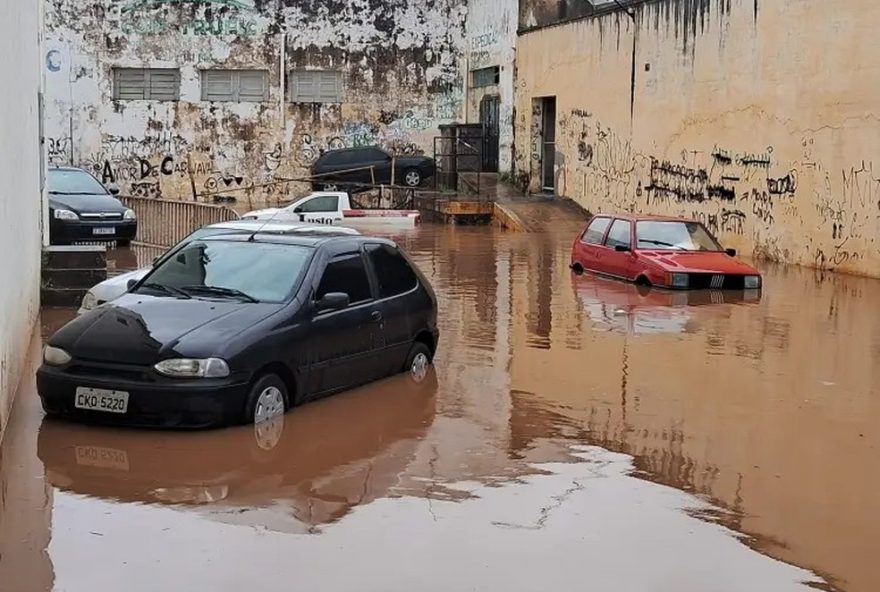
(86,204)
(140,329)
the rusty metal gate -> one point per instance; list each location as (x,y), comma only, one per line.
(163,223)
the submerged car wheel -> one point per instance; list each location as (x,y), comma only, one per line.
(412,178)
(418,362)
(267,400)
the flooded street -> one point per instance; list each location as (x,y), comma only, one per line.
(577,433)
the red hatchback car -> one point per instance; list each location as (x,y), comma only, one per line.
(665,252)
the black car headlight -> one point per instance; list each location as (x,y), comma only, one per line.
(189,368)
(65,215)
(55,356)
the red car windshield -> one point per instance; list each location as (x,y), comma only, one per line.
(678,236)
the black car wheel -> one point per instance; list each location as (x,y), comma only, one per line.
(331,187)
(412,178)
(267,400)
(418,362)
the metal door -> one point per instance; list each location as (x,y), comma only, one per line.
(548,157)
(489,118)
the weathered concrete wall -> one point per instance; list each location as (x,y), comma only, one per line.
(491,41)
(740,116)
(400,63)
(21,204)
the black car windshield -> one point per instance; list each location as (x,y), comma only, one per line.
(233,270)
(678,236)
(73,182)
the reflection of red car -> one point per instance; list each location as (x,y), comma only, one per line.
(665,252)
(642,310)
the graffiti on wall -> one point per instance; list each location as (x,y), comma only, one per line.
(147,17)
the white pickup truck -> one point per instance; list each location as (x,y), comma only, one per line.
(331,207)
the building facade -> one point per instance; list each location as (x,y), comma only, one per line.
(180,99)
(734,112)
(21,202)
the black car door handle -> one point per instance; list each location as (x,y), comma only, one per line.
(377,316)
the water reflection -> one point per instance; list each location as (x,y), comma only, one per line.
(642,310)
(766,408)
(318,462)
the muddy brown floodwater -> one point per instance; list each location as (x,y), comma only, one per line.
(577,434)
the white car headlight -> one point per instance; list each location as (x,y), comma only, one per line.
(55,356)
(89,301)
(186,368)
(752,282)
(129,215)
(679,280)
(65,215)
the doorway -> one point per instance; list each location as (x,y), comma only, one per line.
(490,107)
(548,144)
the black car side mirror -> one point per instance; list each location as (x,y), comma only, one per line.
(332,301)
(130,284)
(113,189)
(298,210)
(622,248)
(155,261)
(731,252)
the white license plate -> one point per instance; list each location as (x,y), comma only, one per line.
(101,400)
(104,230)
(99,456)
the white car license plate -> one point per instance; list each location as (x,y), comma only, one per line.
(104,230)
(99,456)
(101,400)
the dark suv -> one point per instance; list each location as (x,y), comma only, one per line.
(357,168)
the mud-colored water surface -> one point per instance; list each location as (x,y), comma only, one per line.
(577,433)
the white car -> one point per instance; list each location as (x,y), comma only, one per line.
(335,207)
(114,287)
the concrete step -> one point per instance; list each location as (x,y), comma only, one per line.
(69,271)
(75,257)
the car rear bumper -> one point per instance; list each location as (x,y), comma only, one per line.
(72,231)
(176,404)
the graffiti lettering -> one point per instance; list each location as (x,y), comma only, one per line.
(146,189)
(684,183)
(786,185)
(732,221)
(762,206)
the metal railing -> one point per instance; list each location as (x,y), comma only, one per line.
(163,223)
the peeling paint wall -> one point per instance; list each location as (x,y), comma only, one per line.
(21,205)
(491,42)
(399,61)
(739,116)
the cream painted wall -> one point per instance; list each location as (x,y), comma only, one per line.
(756,117)
(20,197)
(491,41)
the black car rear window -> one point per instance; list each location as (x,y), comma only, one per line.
(392,269)
(73,182)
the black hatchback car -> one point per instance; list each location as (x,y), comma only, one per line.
(240,328)
(81,208)
(359,168)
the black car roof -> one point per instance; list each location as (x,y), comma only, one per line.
(303,240)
